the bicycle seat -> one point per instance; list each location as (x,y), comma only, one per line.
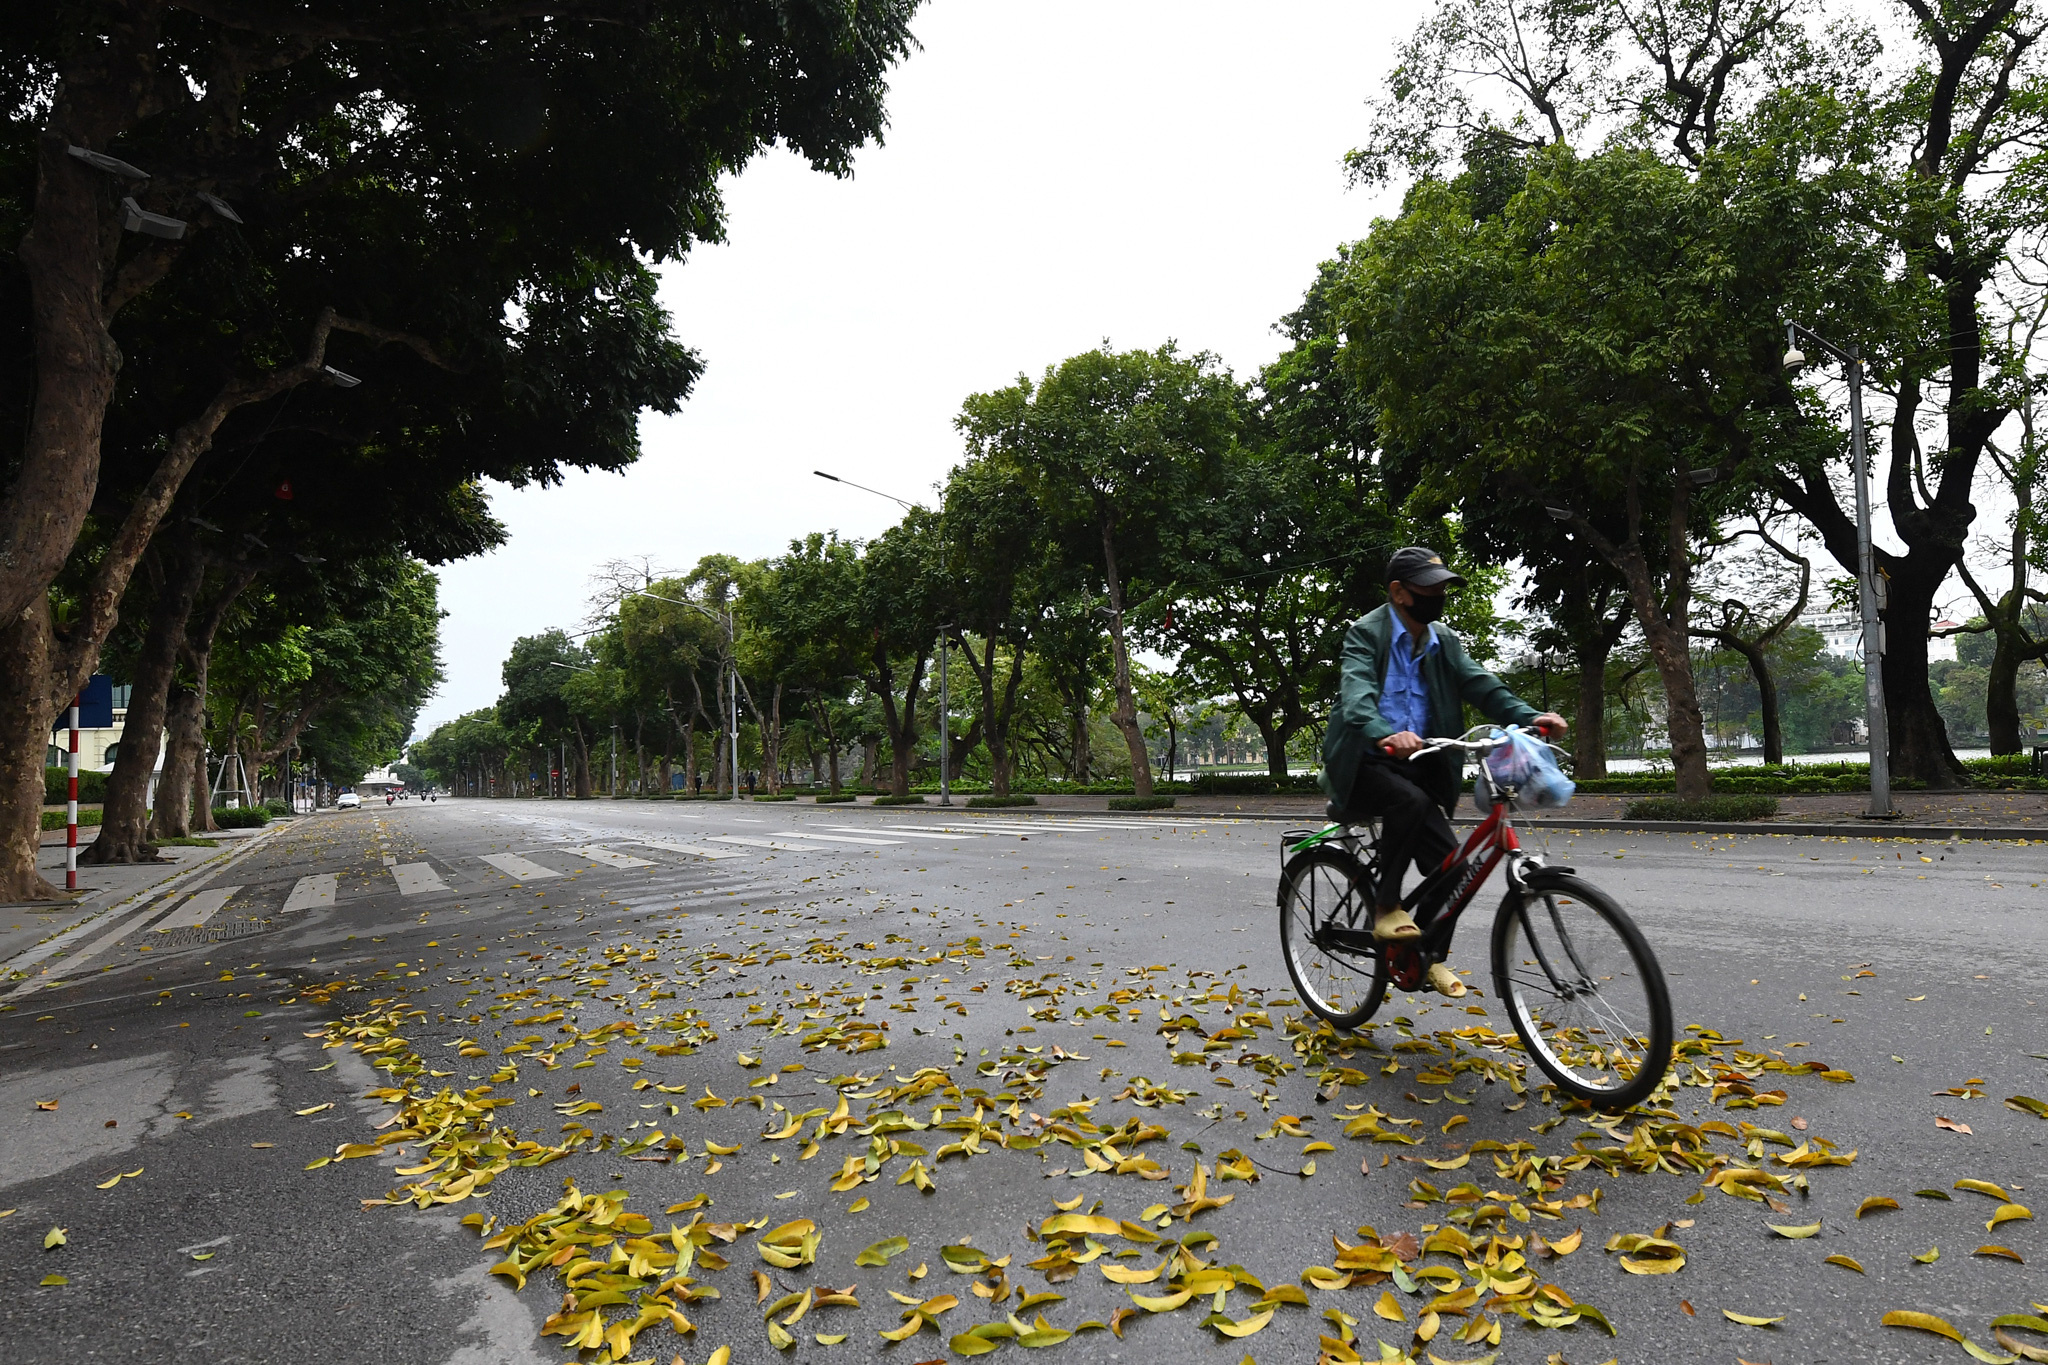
(1335,811)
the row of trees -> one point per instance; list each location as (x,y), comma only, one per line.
(1565,354)
(291,281)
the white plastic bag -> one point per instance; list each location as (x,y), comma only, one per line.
(1525,763)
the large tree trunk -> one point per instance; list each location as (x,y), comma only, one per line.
(1125,714)
(1080,759)
(25,716)
(124,818)
(1666,628)
(1767,696)
(771,742)
(582,764)
(185,719)
(899,721)
(1920,749)
(1589,731)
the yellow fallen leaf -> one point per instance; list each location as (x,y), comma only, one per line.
(1803,1230)
(1874,1203)
(302,1113)
(54,1281)
(1846,1262)
(1163,1304)
(1069,1205)
(859,1205)
(1983,1187)
(53,1239)
(721,1356)
(1920,1322)
(2007,1252)
(1247,1327)
(1929,1256)
(1746,1320)
(831,1339)
(1389,1307)
(2009,1213)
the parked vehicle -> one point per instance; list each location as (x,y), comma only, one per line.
(348,801)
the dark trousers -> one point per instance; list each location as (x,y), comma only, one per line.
(1411,800)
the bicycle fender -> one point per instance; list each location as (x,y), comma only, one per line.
(1546,878)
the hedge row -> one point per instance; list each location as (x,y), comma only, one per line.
(56,786)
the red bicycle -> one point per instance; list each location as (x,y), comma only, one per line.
(1577,976)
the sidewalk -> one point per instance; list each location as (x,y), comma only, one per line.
(1980,814)
(23,926)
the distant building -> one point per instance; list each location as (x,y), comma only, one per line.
(1841,634)
(379,782)
(97,748)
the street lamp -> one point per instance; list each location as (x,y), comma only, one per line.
(945,658)
(1871,585)
(732,663)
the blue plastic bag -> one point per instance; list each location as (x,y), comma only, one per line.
(1525,763)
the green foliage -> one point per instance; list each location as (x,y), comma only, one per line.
(778,796)
(55,819)
(1713,809)
(899,800)
(991,802)
(240,817)
(1140,802)
(92,786)
(843,799)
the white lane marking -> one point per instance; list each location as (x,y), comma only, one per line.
(198,910)
(912,831)
(417,879)
(695,849)
(518,868)
(830,838)
(308,892)
(751,842)
(605,855)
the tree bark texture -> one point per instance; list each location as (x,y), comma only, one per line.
(1125,714)
(25,717)
(1666,628)
(124,818)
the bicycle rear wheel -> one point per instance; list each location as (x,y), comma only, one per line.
(1322,890)
(1584,990)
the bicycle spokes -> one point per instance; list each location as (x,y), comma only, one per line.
(1577,983)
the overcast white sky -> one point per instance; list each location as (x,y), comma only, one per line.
(1054,173)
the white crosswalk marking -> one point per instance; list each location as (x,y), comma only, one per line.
(518,868)
(605,855)
(697,850)
(198,910)
(831,838)
(308,892)
(753,842)
(417,879)
(912,831)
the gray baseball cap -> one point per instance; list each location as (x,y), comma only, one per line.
(1420,567)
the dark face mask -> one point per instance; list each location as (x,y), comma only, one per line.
(1426,608)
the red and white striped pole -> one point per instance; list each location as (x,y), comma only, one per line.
(71,811)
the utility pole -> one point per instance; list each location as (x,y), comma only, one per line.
(1870,583)
(945,720)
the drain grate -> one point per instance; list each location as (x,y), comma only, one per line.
(191,937)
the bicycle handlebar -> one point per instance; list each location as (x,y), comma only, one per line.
(1483,745)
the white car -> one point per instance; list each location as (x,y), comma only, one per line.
(348,801)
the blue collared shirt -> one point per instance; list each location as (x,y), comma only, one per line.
(1404,700)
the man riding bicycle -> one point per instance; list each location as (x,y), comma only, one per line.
(1404,677)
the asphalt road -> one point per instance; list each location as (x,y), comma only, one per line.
(1067,981)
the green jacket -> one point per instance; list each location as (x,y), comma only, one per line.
(1449,674)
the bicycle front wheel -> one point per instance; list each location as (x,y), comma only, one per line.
(1321,891)
(1584,990)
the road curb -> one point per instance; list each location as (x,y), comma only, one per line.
(1862,829)
(108,915)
